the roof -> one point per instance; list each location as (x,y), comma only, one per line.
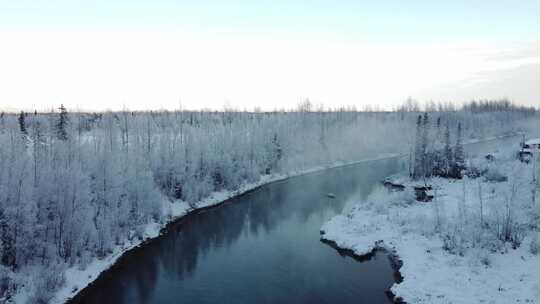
(535,141)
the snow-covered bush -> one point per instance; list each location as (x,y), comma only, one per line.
(455,240)
(508,228)
(475,171)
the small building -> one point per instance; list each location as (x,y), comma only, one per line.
(529,149)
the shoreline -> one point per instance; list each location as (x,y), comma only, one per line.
(367,252)
(395,262)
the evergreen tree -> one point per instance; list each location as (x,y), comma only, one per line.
(7,254)
(61,125)
(22,123)
(275,156)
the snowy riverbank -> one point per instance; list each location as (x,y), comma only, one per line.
(77,279)
(476,242)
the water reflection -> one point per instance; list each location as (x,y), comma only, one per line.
(262,247)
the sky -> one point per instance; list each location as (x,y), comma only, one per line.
(101,55)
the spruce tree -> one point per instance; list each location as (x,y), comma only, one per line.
(22,123)
(61,125)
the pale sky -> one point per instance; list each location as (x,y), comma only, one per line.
(97,55)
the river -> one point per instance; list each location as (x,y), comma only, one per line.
(261,247)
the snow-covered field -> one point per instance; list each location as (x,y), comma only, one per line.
(476,242)
(77,279)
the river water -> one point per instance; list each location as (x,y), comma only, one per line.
(261,247)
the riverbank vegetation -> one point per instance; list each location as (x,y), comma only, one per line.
(474,240)
(75,186)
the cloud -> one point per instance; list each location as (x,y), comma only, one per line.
(510,71)
(520,84)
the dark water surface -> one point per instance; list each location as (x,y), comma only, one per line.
(261,247)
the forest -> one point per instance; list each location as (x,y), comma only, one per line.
(74,185)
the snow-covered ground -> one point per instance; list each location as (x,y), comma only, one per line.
(76,278)
(476,242)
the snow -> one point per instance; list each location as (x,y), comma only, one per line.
(432,275)
(77,279)
(488,271)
